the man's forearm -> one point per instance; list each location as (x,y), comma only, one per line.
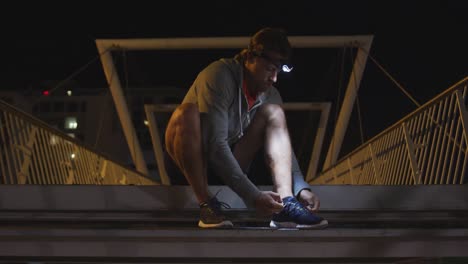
(227,168)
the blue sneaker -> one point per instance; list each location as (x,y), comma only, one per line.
(211,214)
(295,215)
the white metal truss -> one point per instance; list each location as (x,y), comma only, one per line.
(105,46)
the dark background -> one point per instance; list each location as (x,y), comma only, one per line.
(422,44)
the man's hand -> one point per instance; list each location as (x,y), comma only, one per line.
(268,203)
(309,200)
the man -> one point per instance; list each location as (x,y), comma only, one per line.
(230,112)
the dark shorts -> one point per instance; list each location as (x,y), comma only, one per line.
(257,173)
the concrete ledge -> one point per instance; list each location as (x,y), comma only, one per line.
(333,197)
(137,198)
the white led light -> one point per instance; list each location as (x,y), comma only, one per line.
(286,68)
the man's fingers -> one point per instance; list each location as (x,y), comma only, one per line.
(275,197)
(313,207)
(276,207)
(276,203)
(269,202)
(271,207)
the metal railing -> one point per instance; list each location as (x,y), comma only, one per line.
(31,152)
(428,146)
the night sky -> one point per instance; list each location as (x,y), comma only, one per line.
(422,44)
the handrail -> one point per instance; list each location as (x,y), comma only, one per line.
(421,141)
(35,153)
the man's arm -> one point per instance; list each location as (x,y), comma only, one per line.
(302,190)
(297,177)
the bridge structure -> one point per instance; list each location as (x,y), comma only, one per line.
(401,197)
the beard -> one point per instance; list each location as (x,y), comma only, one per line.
(263,86)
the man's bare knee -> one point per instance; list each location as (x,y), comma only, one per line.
(272,113)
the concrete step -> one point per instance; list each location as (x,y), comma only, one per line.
(179,244)
(142,224)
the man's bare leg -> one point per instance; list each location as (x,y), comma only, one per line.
(269,127)
(184,145)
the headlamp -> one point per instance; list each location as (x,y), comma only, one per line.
(280,64)
(286,68)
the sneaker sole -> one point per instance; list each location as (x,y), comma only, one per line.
(321,225)
(224,224)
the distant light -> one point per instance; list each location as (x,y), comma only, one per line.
(286,68)
(69,92)
(71,123)
(146,122)
(45,93)
(73,155)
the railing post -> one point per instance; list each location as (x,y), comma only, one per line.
(350,166)
(464,121)
(122,109)
(375,165)
(348,104)
(123,180)
(103,170)
(411,154)
(71,174)
(317,147)
(335,176)
(463,113)
(23,173)
(157,147)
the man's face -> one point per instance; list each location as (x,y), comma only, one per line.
(264,68)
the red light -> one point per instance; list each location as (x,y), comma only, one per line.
(46,93)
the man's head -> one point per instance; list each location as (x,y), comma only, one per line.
(271,40)
(268,51)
